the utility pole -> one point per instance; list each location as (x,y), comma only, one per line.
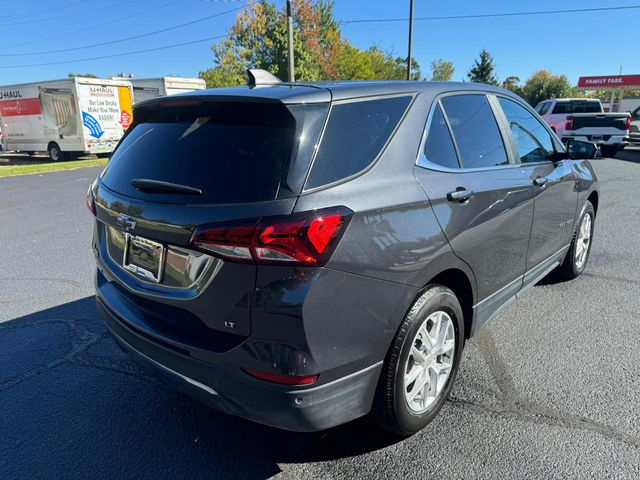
(410,39)
(292,75)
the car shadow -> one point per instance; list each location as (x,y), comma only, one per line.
(74,406)
(629,155)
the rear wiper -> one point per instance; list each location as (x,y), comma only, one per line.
(158,186)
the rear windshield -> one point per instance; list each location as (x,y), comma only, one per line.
(234,152)
(577,107)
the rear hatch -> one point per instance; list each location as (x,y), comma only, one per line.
(185,163)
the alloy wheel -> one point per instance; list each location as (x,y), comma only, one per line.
(583,240)
(430,361)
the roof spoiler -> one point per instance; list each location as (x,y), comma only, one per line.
(258,76)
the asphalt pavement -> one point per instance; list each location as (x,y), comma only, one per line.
(549,389)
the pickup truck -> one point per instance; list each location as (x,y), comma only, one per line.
(583,119)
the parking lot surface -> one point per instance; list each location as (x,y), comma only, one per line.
(549,389)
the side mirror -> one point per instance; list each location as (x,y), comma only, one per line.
(578,150)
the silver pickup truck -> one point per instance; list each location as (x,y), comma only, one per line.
(584,119)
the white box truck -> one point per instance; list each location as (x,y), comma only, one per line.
(146,88)
(67,117)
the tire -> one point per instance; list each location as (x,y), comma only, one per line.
(608,151)
(571,267)
(392,409)
(55,154)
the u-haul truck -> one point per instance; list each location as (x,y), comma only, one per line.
(65,118)
(146,88)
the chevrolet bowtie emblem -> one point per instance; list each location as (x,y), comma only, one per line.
(125,223)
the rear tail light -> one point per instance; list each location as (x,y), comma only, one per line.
(306,238)
(91,204)
(569,124)
(629,122)
(282,379)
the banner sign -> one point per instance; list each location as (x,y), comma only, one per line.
(609,81)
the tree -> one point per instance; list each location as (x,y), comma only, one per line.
(385,66)
(441,70)
(482,70)
(415,68)
(542,85)
(258,39)
(512,83)
(353,63)
(85,75)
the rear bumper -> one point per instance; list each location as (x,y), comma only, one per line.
(301,409)
(613,140)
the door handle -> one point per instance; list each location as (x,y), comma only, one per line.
(540,181)
(460,195)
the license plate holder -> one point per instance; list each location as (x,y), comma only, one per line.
(144,257)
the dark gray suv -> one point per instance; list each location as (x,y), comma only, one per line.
(305,254)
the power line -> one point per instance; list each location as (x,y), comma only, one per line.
(43,10)
(135,52)
(492,15)
(92,27)
(133,37)
(75,14)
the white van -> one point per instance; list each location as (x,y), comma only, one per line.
(67,117)
(147,88)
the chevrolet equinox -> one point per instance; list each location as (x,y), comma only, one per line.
(304,254)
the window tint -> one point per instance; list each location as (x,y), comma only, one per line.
(579,106)
(354,136)
(233,152)
(439,147)
(532,138)
(475,131)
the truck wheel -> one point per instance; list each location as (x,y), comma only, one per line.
(608,151)
(55,154)
(421,364)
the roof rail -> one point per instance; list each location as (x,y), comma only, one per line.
(258,76)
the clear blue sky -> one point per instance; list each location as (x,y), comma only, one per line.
(594,43)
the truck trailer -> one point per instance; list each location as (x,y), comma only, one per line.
(66,118)
(146,88)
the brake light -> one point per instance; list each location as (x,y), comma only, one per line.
(282,379)
(629,122)
(306,238)
(569,124)
(91,204)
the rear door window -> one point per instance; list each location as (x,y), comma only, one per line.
(532,138)
(475,130)
(355,134)
(544,108)
(235,152)
(561,107)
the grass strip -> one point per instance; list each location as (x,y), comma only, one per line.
(13,170)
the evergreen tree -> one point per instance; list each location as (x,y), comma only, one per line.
(482,70)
